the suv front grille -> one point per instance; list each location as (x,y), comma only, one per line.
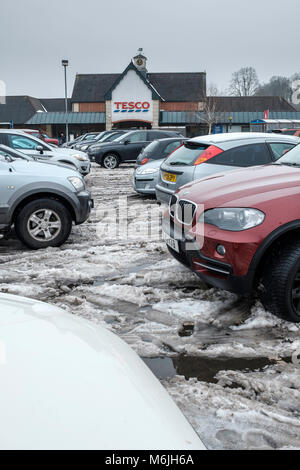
(186,211)
(173,202)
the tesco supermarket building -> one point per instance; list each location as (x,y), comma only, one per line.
(138,98)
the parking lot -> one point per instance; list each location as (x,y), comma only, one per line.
(225,360)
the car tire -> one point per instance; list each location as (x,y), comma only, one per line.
(110,161)
(280,287)
(55,226)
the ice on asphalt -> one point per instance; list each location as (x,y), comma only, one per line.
(126,281)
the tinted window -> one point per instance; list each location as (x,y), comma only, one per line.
(247,155)
(20,142)
(152,149)
(171,147)
(280,148)
(186,154)
(291,132)
(111,137)
(154,135)
(137,137)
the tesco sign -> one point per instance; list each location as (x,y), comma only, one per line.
(131,106)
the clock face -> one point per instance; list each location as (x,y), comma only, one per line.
(139,62)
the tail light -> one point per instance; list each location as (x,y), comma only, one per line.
(145,160)
(209,153)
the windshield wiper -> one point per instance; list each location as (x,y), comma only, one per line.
(178,163)
(290,164)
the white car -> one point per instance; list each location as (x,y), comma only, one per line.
(35,147)
(66,383)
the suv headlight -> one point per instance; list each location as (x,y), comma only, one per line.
(84,147)
(233,219)
(82,158)
(77,183)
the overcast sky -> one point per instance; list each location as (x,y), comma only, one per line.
(97,36)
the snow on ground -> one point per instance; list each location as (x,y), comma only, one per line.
(123,278)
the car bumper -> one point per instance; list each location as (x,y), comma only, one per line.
(234,272)
(85,205)
(85,167)
(95,156)
(144,184)
(163,194)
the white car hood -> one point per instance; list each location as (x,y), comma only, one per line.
(66,383)
(41,168)
(67,151)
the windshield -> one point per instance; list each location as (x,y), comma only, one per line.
(151,148)
(90,137)
(186,154)
(123,136)
(292,157)
(14,154)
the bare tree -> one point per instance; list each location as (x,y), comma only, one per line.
(210,114)
(244,82)
(277,86)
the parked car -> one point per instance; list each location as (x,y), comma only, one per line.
(127,147)
(36,148)
(41,135)
(240,231)
(201,157)
(148,163)
(107,138)
(294,132)
(68,161)
(41,201)
(84,137)
(101,137)
(70,384)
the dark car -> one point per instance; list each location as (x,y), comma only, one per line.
(159,149)
(127,147)
(294,132)
(104,136)
(240,231)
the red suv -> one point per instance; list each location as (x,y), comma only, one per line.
(240,231)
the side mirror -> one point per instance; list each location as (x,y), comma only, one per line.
(126,142)
(40,149)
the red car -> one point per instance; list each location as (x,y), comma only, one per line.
(240,231)
(40,135)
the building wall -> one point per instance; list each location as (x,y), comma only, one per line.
(91,107)
(179,106)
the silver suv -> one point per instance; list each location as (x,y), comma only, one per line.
(41,201)
(36,148)
(206,156)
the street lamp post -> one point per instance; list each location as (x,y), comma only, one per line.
(65,64)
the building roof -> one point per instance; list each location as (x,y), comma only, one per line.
(19,109)
(180,117)
(251,103)
(90,88)
(55,104)
(60,118)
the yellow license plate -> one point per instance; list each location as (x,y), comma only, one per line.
(169,177)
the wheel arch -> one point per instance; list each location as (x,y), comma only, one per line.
(41,195)
(285,234)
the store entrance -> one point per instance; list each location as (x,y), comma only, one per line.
(132,125)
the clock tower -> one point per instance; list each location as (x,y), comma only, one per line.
(140,61)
